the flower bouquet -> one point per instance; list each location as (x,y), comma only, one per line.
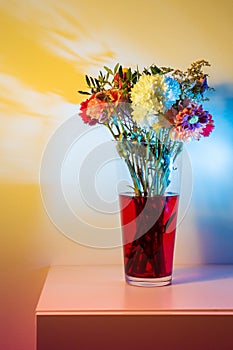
(150,114)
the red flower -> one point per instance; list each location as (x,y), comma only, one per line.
(119,81)
(116,96)
(100,106)
(83,114)
(209,127)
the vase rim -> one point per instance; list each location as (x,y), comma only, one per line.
(133,194)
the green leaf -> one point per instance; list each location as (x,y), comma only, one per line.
(100,79)
(120,71)
(155,70)
(108,70)
(138,73)
(92,81)
(116,68)
(88,80)
(135,77)
(84,92)
(97,83)
(165,70)
(129,74)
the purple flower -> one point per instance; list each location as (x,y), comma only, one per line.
(191,122)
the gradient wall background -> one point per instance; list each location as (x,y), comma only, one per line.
(46,48)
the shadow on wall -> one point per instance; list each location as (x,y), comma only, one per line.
(212,164)
(53,49)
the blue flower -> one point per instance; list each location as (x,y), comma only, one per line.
(172,93)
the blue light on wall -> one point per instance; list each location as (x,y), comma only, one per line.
(212,198)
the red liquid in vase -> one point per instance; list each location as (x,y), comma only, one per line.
(148,229)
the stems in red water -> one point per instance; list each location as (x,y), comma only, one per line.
(148,227)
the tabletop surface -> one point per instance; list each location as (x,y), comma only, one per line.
(199,289)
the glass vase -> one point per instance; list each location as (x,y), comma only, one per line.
(148,229)
(149,210)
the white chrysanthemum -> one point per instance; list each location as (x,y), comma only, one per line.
(151,95)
